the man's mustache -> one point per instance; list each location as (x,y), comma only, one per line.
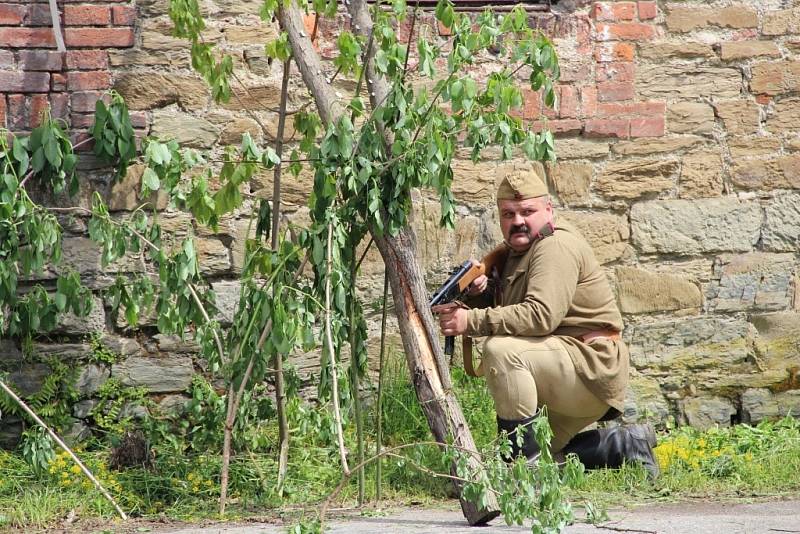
(520,229)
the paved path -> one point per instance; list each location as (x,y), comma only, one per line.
(680,518)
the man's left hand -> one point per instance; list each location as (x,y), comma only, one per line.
(452,318)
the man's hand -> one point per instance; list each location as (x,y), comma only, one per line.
(478,286)
(452,318)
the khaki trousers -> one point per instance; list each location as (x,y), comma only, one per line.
(525,373)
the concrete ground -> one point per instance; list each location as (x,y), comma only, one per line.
(678,518)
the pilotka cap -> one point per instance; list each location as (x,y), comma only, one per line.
(520,184)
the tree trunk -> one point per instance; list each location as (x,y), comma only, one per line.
(429,372)
(423,354)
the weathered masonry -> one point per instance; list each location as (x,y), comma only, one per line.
(679,157)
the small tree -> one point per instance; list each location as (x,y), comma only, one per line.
(363,175)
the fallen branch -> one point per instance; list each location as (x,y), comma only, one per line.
(63,445)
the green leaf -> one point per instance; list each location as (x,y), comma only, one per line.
(150,179)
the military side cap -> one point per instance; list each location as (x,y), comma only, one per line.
(520,184)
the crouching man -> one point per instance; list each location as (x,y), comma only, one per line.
(552,331)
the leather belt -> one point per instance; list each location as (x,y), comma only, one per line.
(613,335)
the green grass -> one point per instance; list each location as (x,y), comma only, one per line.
(719,463)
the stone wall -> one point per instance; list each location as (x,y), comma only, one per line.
(677,136)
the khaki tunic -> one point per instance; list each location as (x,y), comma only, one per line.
(558,288)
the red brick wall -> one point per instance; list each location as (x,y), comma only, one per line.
(34,74)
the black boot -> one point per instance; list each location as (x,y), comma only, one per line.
(529,449)
(611,447)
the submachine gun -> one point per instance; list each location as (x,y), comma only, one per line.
(456,286)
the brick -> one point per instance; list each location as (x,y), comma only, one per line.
(652,127)
(605,52)
(607,128)
(17,113)
(3,110)
(139,119)
(39,15)
(123,15)
(27,38)
(87,15)
(532,104)
(615,72)
(444,31)
(87,59)
(80,120)
(627,110)
(59,105)
(58,82)
(7,61)
(625,31)
(647,10)
(38,105)
(25,82)
(11,15)
(614,91)
(561,126)
(588,101)
(84,81)
(99,37)
(568,102)
(613,11)
(40,60)
(84,102)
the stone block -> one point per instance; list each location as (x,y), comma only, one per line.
(186,129)
(682,81)
(754,281)
(607,233)
(66,352)
(144,90)
(701,175)
(90,378)
(785,117)
(213,256)
(690,117)
(71,324)
(84,408)
(172,343)
(29,379)
(740,117)
(649,147)
(640,291)
(702,345)
(630,179)
(739,50)
(777,350)
(125,195)
(688,227)
(708,412)
(745,147)
(775,78)
(581,149)
(644,401)
(571,182)
(759,404)
(227,299)
(474,184)
(158,375)
(9,353)
(781,22)
(661,50)
(234,128)
(782,224)
(254,97)
(249,35)
(765,174)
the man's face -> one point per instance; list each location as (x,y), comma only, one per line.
(520,220)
